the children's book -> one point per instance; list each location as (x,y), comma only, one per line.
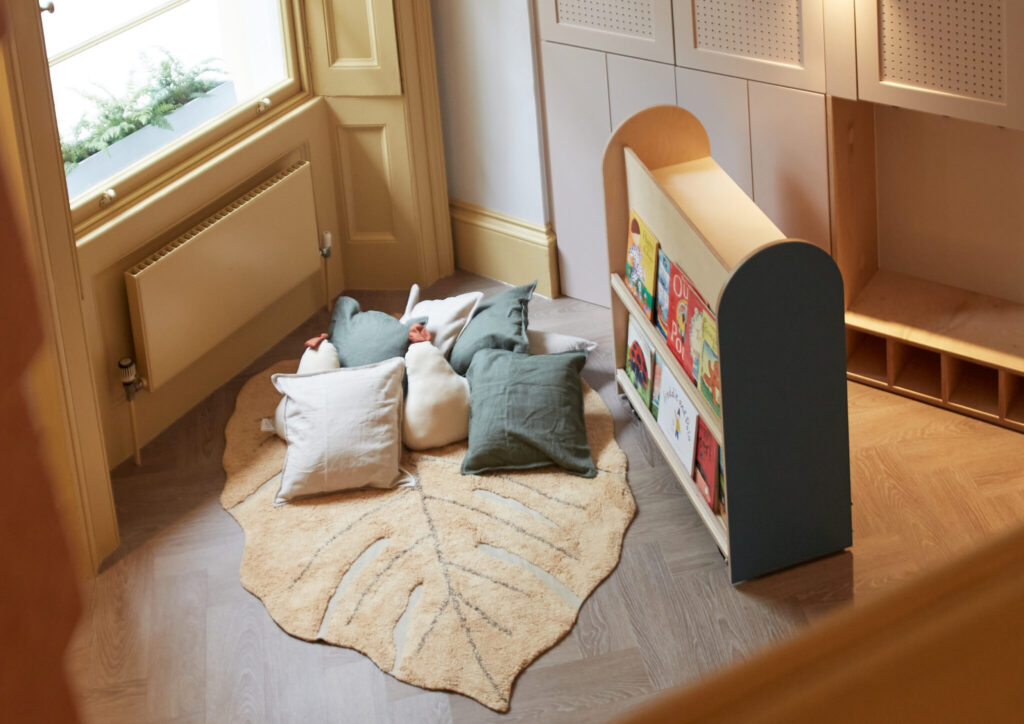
(707,465)
(678,317)
(710,381)
(661,299)
(641,263)
(656,386)
(677,418)
(699,311)
(639,361)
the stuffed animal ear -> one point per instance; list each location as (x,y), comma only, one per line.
(314,343)
(414,299)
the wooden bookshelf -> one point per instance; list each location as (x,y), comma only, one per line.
(779,305)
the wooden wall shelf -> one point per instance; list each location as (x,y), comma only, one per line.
(779,304)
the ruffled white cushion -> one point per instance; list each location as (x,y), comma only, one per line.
(553,342)
(446,318)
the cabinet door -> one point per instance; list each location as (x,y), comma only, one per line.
(776,41)
(720,104)
(577,112)
(637,84)
(638,28)
(962,59)
(789,159)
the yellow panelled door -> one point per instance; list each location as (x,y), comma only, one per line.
(389,157)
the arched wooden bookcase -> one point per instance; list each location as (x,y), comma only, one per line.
(779,303)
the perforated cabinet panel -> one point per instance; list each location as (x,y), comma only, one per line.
(626,17)
(637,28)
(955,47)
(774,41)
(762,29)
(959,58)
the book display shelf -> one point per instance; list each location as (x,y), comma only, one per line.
(783,428)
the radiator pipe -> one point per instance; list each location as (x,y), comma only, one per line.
(132,383)
(326,241)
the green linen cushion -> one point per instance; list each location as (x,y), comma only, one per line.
(499,323)
(364,338)
(526,412)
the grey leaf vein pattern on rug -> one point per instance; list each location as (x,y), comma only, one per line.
(457,583)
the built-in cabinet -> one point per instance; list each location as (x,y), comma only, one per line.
(888,132)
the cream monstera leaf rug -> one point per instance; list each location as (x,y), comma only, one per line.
(457,583)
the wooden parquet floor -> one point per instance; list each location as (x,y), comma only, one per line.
(170,635)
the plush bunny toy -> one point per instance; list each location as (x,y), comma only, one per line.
(437,404)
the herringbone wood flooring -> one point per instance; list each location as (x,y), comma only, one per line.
(171,636)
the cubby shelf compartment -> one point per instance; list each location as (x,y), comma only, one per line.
(866,357)
(714,523)
(972,388)
(916,372)
(784,425)
(1012,392)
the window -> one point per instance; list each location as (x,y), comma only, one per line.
(137,81)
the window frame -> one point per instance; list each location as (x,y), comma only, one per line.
(168,164)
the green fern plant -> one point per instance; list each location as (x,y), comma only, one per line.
(169,84)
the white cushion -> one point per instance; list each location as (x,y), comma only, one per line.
(553,342)
(437,406)
(321,359)
(446,318)
(344,429)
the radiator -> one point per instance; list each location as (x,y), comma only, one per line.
(192,294)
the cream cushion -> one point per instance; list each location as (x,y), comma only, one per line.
(553,342)
(437,406)
(321,359)
(446,318)
(344,429)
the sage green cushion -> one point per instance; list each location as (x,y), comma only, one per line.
(499,323)
(526,412)
(364,338)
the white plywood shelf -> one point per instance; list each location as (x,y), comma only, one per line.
(665,357)
(731,225)
(715,524)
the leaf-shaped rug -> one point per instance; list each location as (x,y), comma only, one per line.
(457,583)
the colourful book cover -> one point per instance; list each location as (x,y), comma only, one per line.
(707,465)
(641,263)
(662,298)
(678,419)
(639,359)
(656,386)
(699,311)
(678,311)
(710,382)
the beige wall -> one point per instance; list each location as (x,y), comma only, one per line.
(950,201)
